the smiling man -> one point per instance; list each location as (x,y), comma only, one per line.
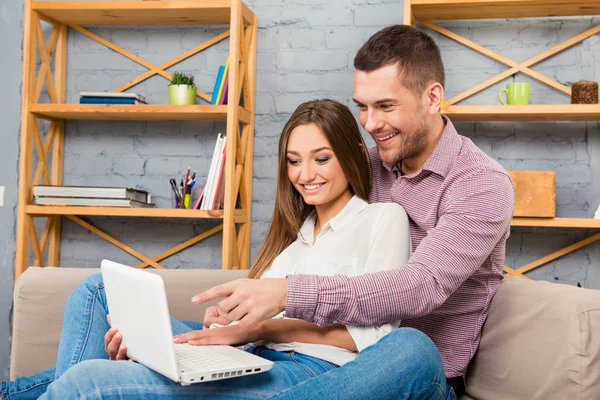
(459,202)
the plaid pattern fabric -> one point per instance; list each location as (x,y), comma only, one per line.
(460,205)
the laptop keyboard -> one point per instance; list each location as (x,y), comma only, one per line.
(196,358)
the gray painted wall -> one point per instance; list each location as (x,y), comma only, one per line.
(305,51)
(11,26)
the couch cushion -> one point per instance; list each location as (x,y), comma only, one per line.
(41,293)
(541,341)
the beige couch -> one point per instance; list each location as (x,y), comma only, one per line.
(541,340)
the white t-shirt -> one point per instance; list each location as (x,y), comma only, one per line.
(362,238)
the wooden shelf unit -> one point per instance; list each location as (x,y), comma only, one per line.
(425,11)
(238,114)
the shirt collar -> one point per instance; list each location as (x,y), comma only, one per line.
(443,155)
(344,217)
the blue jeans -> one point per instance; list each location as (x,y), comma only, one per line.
(403,365)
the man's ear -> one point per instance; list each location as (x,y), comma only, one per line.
(435,96)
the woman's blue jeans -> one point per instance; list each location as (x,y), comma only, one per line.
(403,365)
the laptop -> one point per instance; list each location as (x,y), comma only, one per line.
(137,303)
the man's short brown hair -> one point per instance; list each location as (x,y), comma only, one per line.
(418,57)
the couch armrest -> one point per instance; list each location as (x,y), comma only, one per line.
(39,299)
(540,341)
(41,293)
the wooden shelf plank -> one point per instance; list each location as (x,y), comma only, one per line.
(557,222)
(486,9)
(38,211)
(137,12)
(532,112)
(146,112)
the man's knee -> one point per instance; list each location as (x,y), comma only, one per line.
(413,346)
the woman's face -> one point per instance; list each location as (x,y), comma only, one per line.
(314,169)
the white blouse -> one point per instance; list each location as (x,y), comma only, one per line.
(362,238)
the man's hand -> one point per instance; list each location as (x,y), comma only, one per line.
(228,335)
(246,300)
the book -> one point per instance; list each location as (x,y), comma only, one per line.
(92,192)
(91,201)
(218,174)
(123,95)
(200,197)
(220,184)
(225,91)
(215,93)
(205,205)
(108,100)
(225,73)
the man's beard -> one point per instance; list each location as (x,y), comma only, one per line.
(411,145)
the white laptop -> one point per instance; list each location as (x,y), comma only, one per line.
(137,304)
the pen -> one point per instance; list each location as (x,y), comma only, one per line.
(175,189)
(181,186)
(173,183)
(187,197)
(185,184)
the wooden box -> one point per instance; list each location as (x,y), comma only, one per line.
(535,193)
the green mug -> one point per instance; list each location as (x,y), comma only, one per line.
(516,93)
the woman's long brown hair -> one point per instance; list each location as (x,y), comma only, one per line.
(341,130)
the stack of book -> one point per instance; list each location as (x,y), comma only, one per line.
(91,196)
(212,196)
(111,98)
(221,88)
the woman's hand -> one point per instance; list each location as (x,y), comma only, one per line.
(214,315)
(228,335)
(112,344)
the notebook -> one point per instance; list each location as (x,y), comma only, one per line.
(137,304)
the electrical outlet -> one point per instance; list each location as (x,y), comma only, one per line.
(1,196)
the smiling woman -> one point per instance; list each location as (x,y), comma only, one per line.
(322,164)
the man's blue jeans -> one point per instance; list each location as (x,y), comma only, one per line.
(403,365)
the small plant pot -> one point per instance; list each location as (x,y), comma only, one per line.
(182,94)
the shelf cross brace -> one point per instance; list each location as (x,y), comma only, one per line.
(45,72)
(146,261)
(520,272)
(515,67)
(152,69)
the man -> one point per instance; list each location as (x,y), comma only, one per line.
(460,204)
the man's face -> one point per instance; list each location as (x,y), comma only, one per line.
(392,114)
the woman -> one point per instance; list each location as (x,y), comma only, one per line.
(322,224)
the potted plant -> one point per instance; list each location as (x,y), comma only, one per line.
(182,89)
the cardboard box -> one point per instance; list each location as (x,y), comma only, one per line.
(535,193)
